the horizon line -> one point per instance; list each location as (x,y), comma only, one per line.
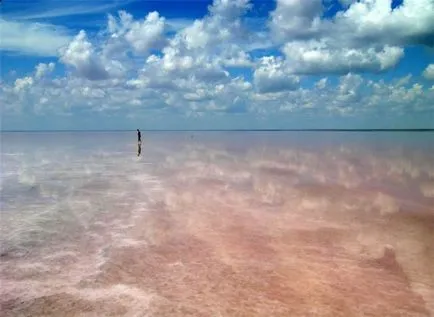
(231,130)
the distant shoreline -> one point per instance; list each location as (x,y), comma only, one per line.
(226,130)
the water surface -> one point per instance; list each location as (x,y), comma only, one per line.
(217,224)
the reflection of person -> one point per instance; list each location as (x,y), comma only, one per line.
(139,149)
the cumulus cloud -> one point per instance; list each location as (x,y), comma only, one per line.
(272,76)
(374,21)
(146,35)
(88,63)
(142,36)
(44,69)
(23,83)
(428,73)
(201,50)
(194,61)
(81,55)
(236,59)
(108,58)
(400,99)
(321,84)
(294,19)
(364,22)
(265,95)
(355,95)
(222,24)
(319,57)
(215,40)
(367,36)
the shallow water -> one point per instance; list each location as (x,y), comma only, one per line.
(217,224)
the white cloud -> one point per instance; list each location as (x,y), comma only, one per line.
(81,55)
(23,83)
(364,22)
(236,59)
(43,69)
(428,73)
(349,88)
(218,38)
(319,57)
(222,26)
(188,95)
(321,84)
(108,57)
(198,54)
(196,35)
(401,100)
(140,35)
(296,19)
(229,9)
(146,35)
(403,81)
(39,39)
(372,21)
(87,62)
(272,76)
(367,36)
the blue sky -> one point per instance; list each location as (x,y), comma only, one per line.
(219,64)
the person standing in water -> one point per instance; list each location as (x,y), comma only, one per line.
(139,136)
(139,142)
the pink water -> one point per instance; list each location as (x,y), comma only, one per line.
(217,224)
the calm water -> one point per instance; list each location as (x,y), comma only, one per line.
(217,224)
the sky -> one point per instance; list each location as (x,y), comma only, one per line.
(221,64)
